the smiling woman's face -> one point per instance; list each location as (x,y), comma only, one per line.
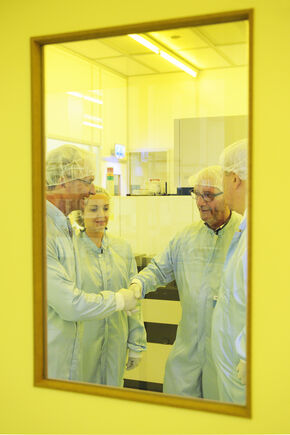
(96,213)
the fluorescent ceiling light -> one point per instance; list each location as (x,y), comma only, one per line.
(75,94)
(90,124)
(172,59)
(145,42)
(93,118)
(85,97)
(96,91)
(177,63)
(94,100)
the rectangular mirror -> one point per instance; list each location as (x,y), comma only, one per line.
(140,159)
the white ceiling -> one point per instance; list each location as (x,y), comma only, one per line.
(205,47)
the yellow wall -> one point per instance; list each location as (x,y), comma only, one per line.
(223,92)
(25,409)
(154,101)
(218,92)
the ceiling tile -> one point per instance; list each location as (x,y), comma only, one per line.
(204,58)
(126,45)
(157,63)
(93,49)
(126,66)
(178,39)
(226,33)
(238,53)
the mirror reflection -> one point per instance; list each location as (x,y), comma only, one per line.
(146,188)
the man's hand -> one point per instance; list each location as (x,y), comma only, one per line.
(137,289)
(130,300)
(242,371)
(132,363)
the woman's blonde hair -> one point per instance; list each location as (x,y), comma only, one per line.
(100,189)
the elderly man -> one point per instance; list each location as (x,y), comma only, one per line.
(194,258)
(69,178)
(229,319)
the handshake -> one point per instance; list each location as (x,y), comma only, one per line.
(130,296)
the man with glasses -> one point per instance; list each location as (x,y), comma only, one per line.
(194,258)
(69,177)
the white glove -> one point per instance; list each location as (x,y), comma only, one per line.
(242,371)
(132,363)
(129,298)
(136,286)
(130,313)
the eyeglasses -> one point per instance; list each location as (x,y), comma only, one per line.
(86,181)
(207,196)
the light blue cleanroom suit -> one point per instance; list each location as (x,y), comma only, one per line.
(194,258)
(105,342)
(67,304)
(229,320)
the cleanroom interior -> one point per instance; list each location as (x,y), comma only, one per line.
(155,125)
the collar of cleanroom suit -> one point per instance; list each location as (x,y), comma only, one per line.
(105,342)
(194,258)
(229,320)
(68,304)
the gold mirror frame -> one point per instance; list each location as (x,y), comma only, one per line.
(39,259)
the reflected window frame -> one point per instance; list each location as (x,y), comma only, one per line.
(39,237)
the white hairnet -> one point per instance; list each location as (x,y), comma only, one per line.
(234,158)
(211,176)
(68,163)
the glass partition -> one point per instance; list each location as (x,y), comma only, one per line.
(138,130)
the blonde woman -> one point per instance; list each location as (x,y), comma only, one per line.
(106,262)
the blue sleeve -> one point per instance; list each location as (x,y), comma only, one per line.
(241,345)
(137,339)
(241,340)
(70,302)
